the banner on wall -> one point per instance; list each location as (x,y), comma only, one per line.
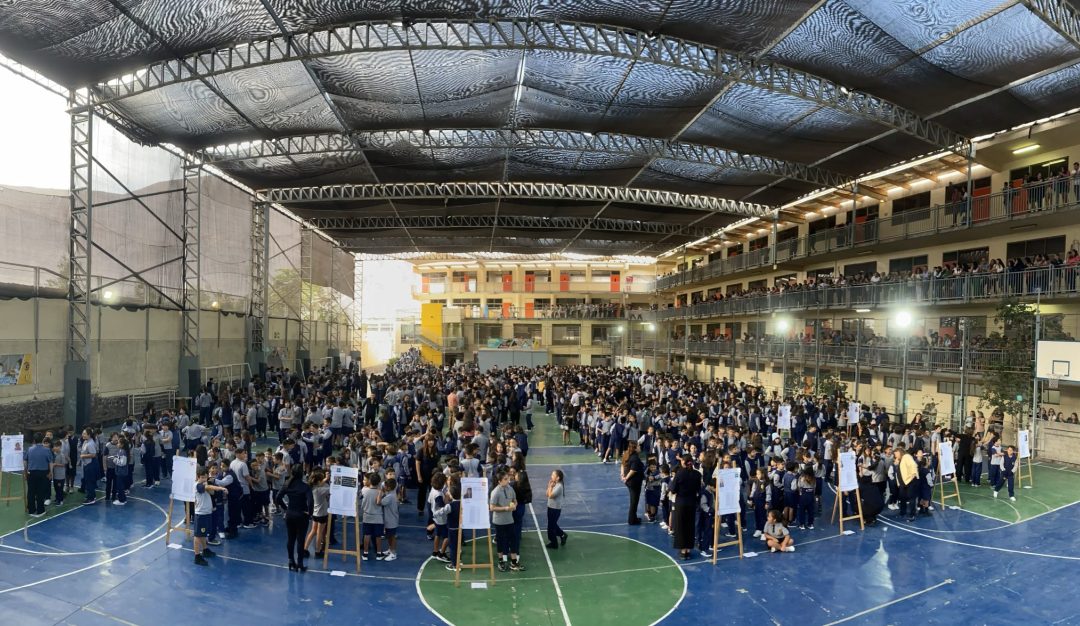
(16,369)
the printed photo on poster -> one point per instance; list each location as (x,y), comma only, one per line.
(16,369)
(343,488)
(11,453)
(474,504)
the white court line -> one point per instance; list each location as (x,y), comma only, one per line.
(104,614)
(976,545)
(1059,469)
(218,555)
(947,581)
(83,569)
(51,517)
(86,552)
(551,568)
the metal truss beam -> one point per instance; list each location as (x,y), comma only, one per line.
(539,191)
(505,221)
(307,311)
(260,249)
(507,139)
(192,296)
(527,34)
(80,235)
(1059,15)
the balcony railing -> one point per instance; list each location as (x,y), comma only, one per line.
(448,344)
(1017,203)
(629,284)
(586,312)
(920,359)
(1050,282)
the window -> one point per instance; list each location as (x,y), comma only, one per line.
(569,301)
(715,256)
(895,382)
(1046,168)
(486,332)
(730,363)
(732,288)
(466,302)
(821,272)
(759,243)
(777,369)
(952,388)
(540,276)
(784,279)
(975,324)
(848,376)
(787,234)
(757,284)
(907,264)
(971,255)
(600,360)
(1049,245)
(867,268)
(911,208)
(1050,396)
(565,359)
(823,224)
(527,331)
(566,335)
(756,329)
(734,250)
(602,333)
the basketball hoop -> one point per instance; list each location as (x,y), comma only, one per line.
(1052,381)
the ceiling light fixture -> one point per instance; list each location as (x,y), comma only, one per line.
(1026,149)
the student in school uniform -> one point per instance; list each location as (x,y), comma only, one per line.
(320,493)
(633,476)
(1008,467)
(392,518)
(555,494)
(298,503)
(807,484)
(776,534)
(453,516)
(204,509)
(120,458)
(759,499)
(652,491)
(88,460)
(503,502)
(58,472)
(373,519)
(706,519)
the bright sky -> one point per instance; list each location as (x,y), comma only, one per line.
(34,128)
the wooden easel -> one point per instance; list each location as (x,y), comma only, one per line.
(344,550)
(490,565)
(8,491)
(942,482)
(716,545)
(184,527)
(838,507)
(1020,463)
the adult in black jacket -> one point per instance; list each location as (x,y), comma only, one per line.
(298,509)
(687,489)
(633,474)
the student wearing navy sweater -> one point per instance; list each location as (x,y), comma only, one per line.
(1008,470)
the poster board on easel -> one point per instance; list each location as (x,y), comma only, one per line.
(783,421)
(1023,459)
(182,491)
(947,467)
(473,515)
(344,487)
(728,486)
(12,448)
(847,481)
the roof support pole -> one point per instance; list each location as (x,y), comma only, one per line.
(259,312)
(190,337)
(80,247)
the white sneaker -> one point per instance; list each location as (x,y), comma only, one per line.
(757,533)
(48,502)
(995,493)
(663,525)
(773,550)
(391,557)
(1012,498)
(789,549)
(117,502)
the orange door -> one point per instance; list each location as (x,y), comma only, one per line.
(530,308)
(530,283)
(425,284)
(564,281)
(508,285)
(614,282)
(506,310)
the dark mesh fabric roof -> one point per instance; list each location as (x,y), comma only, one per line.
(826,91)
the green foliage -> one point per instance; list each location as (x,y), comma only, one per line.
(291,297)
(830,384)
(1010,375)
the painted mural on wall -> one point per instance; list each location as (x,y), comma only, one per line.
(16,369)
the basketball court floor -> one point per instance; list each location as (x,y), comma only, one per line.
(993,562)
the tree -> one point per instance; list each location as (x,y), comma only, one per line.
(795,383)
(1007,380)
(830,385)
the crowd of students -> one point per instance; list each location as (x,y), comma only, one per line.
(419,429)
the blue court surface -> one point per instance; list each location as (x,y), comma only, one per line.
(101,564)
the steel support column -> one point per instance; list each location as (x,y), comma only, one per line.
(80,245)
(259,317)
(307,297)
(190,337)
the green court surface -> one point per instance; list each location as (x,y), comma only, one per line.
(1054,487)
(546,435)
(13,512)
(599,576)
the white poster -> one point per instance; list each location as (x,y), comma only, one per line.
(1023,441)
(727,491)
(12,450)
(849,475)
(783,421)
(343,489)
(947,465)
(474,504)
(183,478)
(854,412)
